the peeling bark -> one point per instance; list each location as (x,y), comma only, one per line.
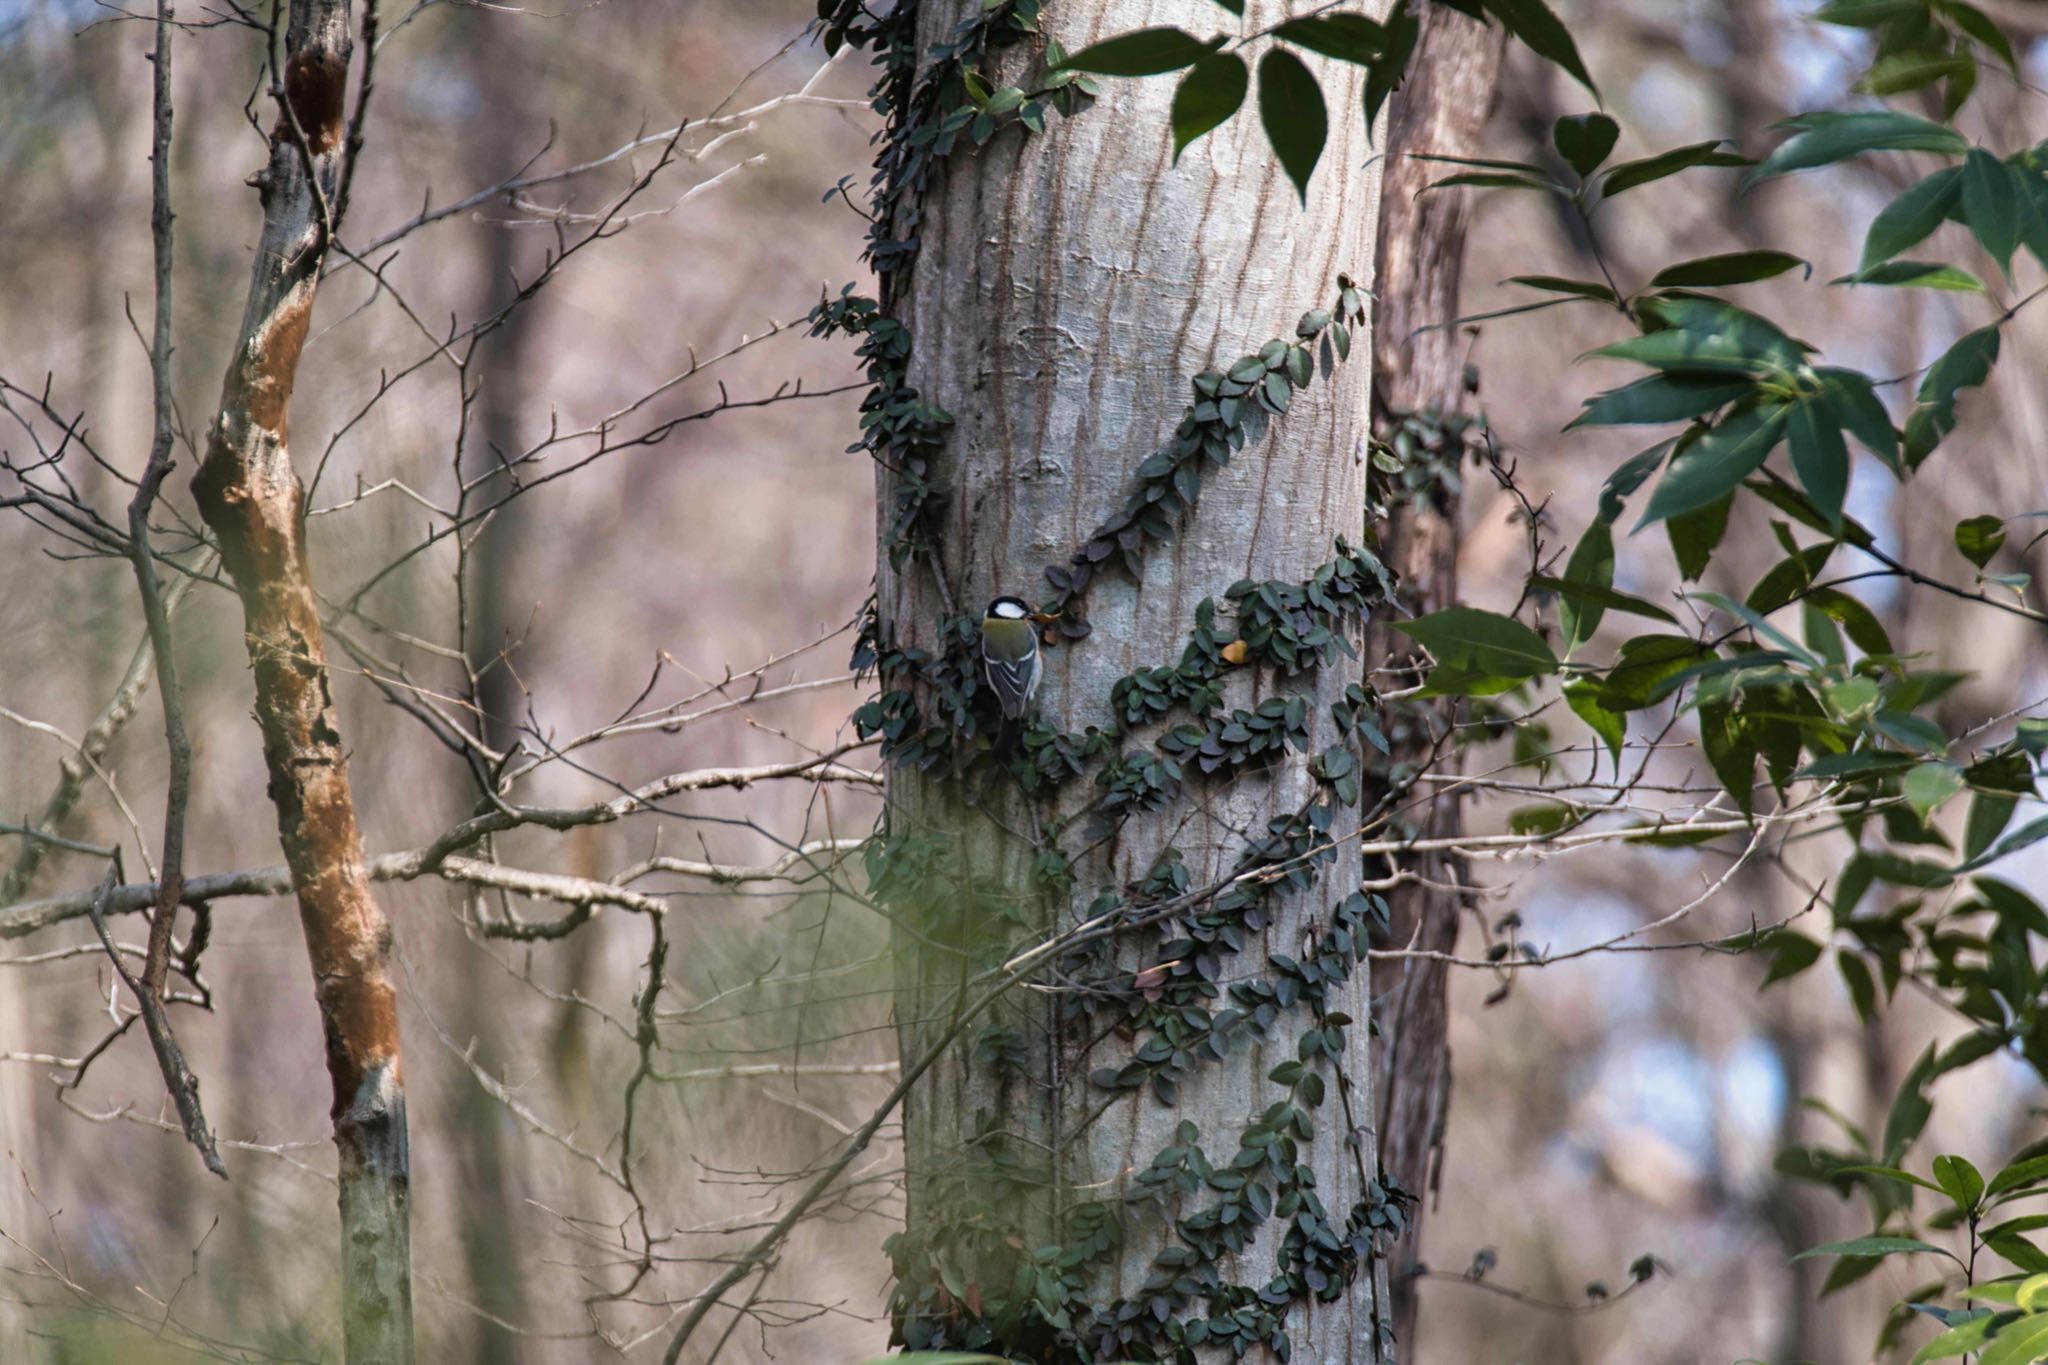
(251,498)
(1441,108)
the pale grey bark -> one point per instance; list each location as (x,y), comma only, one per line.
(1068,287)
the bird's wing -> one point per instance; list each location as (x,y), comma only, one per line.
(1014,681)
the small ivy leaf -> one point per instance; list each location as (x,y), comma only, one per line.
(1585,140)
(1207,97)
(1633,174)
(1916,275)
(1291,107)
(1542,33)
(1822,139)
(1820,457)
(1979,538)
(1735,267)
(1991,206)
(1144,52)
(1909,219)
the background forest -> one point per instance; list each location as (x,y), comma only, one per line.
(679,590)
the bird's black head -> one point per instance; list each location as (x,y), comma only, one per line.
(1009,609)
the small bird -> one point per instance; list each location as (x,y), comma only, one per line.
(1009,654)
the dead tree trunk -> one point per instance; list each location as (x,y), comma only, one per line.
(1066,288)
(1418,379)
(252,500)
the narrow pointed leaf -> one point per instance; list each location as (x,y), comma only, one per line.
(1291,108)
(1207,97)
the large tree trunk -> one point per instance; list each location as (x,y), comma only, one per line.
(1067,286)
(1442,108)
(252,499)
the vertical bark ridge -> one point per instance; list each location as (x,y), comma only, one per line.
(1442,107)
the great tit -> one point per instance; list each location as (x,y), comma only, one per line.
(1009,654)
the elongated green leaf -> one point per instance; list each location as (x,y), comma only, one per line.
(1916,275)
(2018,1175)
(1695,535)
(1956,1341)
(1585,140)
(1630,175)
(1867,13)
(1959,1180)
(1895,73)
(1384,75)
(1542,33)
(1590,567)
(1824,138)
(1716,464)
(1347,37)
(1857,621)
(1756,622)
(1991,205)
(1291,107)
(1585,289)
(1820,458)
(1606,599)
(1660,398)
(1611,726)
(1143,52)
(1697,335)
(1965,365)
(1908,219)
(1207,97)
(1497,180)
(1643,664)
(1482,642)
(1875,1246)
(1984,29)
(1858,410)
(2021,1343)
(1735,267)
(1630,475)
